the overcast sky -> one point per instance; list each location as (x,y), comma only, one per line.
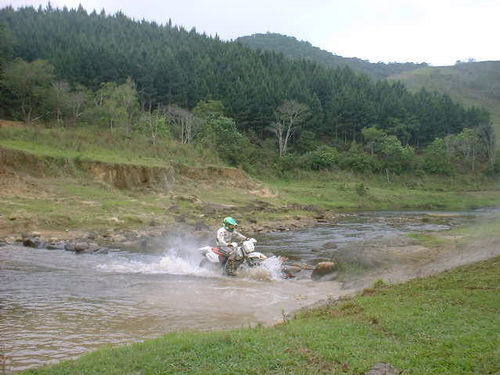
(438,32)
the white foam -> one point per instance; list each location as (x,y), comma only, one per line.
(171,263)
(186,262)
(269,269)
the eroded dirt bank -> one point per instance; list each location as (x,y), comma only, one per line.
(31,186)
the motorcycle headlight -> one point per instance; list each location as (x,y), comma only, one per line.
(248,246)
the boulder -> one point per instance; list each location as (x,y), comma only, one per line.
(329,245)
(76,246)
(290,271)
(56,245)
(82,247)
(32,242)
(92,235)
(324,271)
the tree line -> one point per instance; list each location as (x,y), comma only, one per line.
(291,47)
(69,66)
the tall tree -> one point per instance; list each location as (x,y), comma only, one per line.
(29,83)
(289,116)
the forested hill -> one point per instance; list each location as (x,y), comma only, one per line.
(471,83)
(170,65)
(293,48)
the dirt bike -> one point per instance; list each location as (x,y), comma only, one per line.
(245,255)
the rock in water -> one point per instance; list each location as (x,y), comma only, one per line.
(324,271)
(329,245)
(291,271)
(32,242)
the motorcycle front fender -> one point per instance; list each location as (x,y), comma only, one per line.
(212,257)
(256,255)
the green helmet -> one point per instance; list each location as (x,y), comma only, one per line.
(229,223)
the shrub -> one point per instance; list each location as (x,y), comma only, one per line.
(324,157)
(435,159)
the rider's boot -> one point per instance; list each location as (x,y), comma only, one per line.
(229,267)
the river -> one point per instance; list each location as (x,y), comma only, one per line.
(56,304)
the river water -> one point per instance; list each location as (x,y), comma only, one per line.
(56,304)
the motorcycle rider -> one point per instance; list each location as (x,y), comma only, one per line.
(224,237)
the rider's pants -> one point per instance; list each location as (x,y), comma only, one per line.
(230,254)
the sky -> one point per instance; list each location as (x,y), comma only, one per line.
(438,32)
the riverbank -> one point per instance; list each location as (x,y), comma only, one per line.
(50,199)
(446,323)
(90,185)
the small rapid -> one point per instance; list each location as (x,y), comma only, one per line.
(185,263)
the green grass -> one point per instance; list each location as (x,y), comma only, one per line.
(68,198)
(341,190)
(447,324)
(100,145)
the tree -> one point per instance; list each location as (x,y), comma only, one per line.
(29,83)
(207,108)
(173,66)
(126,95)
(59,99)
(371,136)
(77,100)
(153,124)
(5,46)
(435,159)
(395,157)
(486,135)
(115,104)
(220,133)
(464,146)
(107,107)
(185,124)
(289,116)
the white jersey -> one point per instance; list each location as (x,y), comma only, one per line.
(224,236)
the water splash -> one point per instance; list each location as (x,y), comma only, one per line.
(173,262)
(268,270)
(186,262)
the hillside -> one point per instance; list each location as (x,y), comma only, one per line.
(475,83)
(167,65)
(472,84)
(293,48)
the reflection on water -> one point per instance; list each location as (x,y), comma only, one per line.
(56,304)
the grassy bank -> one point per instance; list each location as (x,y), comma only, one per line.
(343,190)
(446,324)
(102,145)
(66,199)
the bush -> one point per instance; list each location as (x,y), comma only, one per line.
(307,142)
(221,134)
(323,158)
(435,159)
(393,156)
(286,163)
(357,161)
